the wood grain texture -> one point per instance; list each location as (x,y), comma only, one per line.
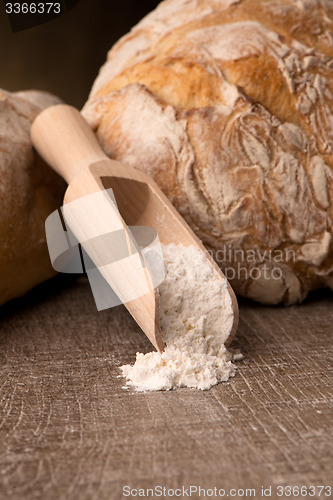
(68,429)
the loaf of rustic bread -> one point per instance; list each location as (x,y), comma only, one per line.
(29,190)
(228,105)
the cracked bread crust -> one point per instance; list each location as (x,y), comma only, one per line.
(228,105)
(30,191)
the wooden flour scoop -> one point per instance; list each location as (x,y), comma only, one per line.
(65,141)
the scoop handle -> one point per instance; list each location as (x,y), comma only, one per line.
(65,141)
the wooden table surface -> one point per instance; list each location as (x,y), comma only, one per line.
(69,430)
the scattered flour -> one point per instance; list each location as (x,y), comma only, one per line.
(196,318)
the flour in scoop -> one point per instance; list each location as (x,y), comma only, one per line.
(196,317)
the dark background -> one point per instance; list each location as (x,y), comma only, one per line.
(64,55)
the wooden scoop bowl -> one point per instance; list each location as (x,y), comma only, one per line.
(66,142)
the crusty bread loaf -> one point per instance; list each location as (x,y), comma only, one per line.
(30,191)
(228,105)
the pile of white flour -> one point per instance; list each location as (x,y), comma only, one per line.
(196,317)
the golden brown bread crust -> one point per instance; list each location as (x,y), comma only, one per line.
(228,105)
(30,191)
